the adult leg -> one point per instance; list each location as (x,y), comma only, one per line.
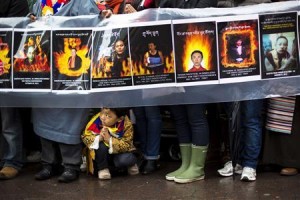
(184,135)
(252,137)
(200,138)
(12,146)
(71,157)
(49,159)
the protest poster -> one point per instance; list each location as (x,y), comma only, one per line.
(279,45)
(71,59)
(195,51)
(31,59)
(5,58)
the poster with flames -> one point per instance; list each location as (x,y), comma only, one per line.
(5,58)
(152,53)
(279,44)
(195,51)
(111,66)
(238,49)
(31,59)
(71,59)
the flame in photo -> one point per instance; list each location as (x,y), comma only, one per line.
(139,69)
(4,50)
(253,47)
(61,58)
(99,68)
(197,42)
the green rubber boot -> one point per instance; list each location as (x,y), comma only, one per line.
(185,150)
(195,171)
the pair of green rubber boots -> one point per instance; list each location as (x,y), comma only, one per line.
(192,166)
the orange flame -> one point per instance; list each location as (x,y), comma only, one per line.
(100,68)
(197,42)
(253,47)
(5,58)
(62,58)
(139,69)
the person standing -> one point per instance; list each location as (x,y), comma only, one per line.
(190,120)
(12,131)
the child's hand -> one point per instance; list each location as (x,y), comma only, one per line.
(105,134)
(106,13)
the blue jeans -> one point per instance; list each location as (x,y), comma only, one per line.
(251,127)
(12,132)
(148,126)
(191,124)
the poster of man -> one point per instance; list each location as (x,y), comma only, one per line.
(111,60)
(152,53)
(279,43)
(31,59)
(5,59)
(71,59)
(238,49)
(195,51)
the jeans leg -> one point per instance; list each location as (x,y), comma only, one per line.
(154,127)
(12,132)
(252,132)
(101,157)
(198,124)
(124,160)
(141,127)
(182,126)
(71,155)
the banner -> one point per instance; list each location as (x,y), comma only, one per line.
(165,61)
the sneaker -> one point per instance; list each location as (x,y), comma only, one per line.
(8,173)
(249,174)
(227,170)
(104,174)
(133,170)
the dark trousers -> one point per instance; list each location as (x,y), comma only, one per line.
(191,124)
(53,153)
(120,160)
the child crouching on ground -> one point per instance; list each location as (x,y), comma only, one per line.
(109,137)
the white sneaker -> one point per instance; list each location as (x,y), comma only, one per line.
(227,170)
(34,157)
(133,170)
(249,174)
(104,174)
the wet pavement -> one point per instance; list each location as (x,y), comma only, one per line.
(269,185)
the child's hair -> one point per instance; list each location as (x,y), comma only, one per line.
(120,112)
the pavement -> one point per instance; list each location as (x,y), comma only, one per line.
(269,185)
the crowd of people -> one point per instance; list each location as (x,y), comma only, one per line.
(108,137)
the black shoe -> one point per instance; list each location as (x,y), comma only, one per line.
(68,176)
(44,174)
(149,167)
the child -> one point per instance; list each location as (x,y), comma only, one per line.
(109,135)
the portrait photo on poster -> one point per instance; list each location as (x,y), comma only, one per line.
(152,54)
(195,51)
(5,58)
(280,52)
(111,66)
(71,59)
(31,59)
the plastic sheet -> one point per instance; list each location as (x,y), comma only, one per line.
(150,96)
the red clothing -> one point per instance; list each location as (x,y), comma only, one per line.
(199,69)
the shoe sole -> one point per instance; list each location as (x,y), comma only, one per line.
(247,179)
(188,180)
(170,178)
